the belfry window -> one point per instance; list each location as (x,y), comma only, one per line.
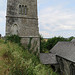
(23,9)
(20,10)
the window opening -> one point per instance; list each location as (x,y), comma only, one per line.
(25,10)
(20,9)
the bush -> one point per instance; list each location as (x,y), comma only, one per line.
(22,62)
(46,46)
(13,38)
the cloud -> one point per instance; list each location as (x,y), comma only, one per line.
(54,19)
(2,16)
(44,33)
(2,22)
(2,30)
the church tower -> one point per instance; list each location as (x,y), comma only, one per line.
(22,20)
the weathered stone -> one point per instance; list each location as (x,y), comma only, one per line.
(65,55)
(22,20)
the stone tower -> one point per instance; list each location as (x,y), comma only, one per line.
(22,20)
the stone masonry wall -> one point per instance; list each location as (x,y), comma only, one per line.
(32,44)
(24,25)
(27,25)
(64,66)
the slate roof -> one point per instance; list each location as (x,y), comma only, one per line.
(48,58)
(65,50)
(73,40)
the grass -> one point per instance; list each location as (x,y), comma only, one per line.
(14,60)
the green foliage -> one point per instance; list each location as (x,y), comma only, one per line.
(29,45)
(43,45)
(1,41)
(70,38)
(13,38)
(21,62)
(50,43)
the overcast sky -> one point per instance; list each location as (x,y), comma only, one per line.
(56,17)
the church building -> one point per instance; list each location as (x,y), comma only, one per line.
(22,20)
(61,57)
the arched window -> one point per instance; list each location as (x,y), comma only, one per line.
(25,10)
(14,29)
(20,9)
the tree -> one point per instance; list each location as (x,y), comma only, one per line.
(46,46)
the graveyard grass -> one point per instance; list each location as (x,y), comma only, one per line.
(14,60)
